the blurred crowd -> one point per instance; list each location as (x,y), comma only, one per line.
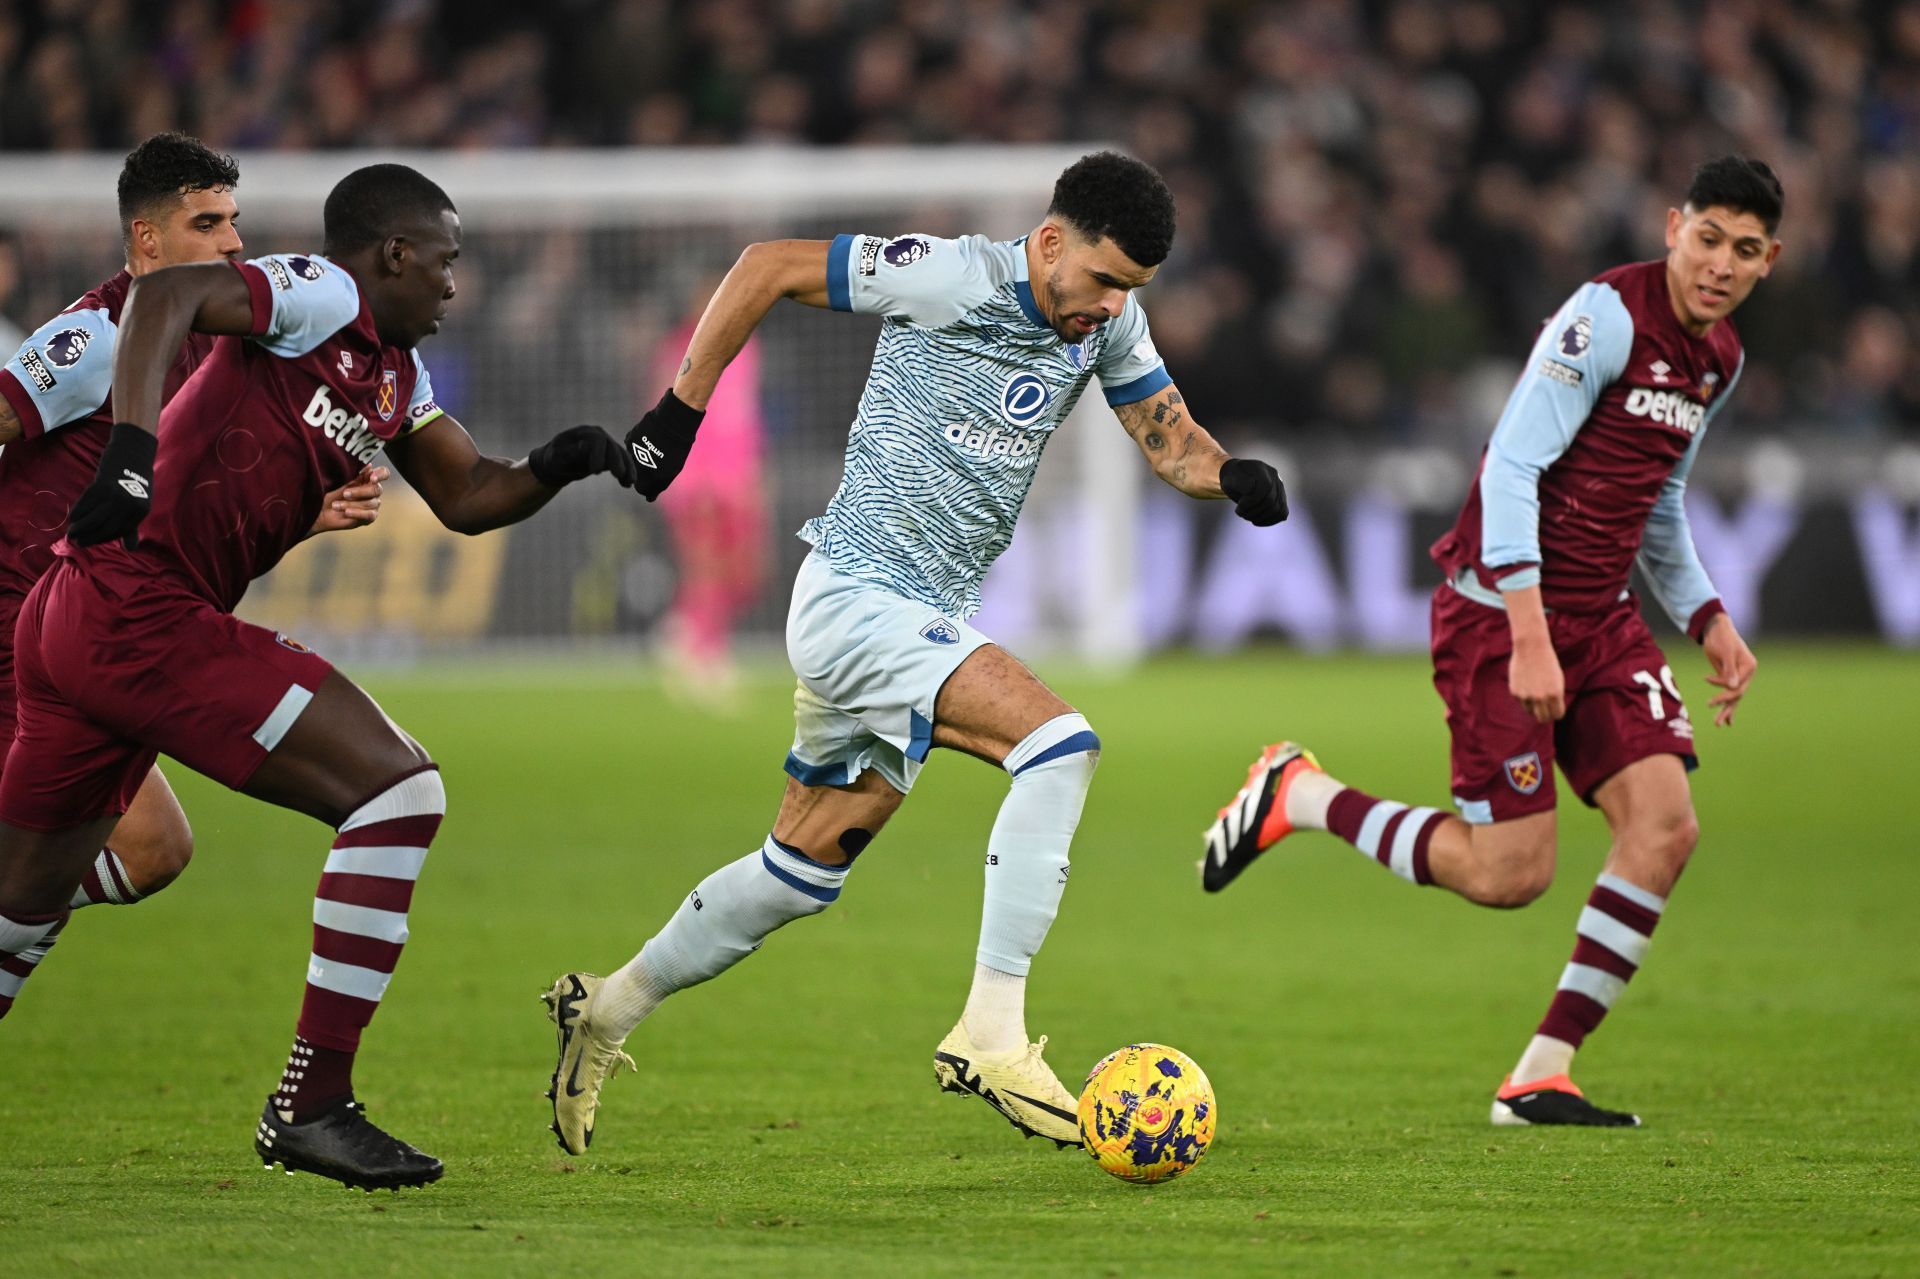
(1379,200)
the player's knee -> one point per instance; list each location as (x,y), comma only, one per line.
(1512,887)
(1064,744)
(1526,884)
(168,855)
(1518,876)
(1686,835)
(154,854)
(1673,839)
(853,841)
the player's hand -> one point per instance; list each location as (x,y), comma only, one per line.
(1255,490)
(1534,676)
(576,453)
(660,442)
(122,490)
(1733,667)
(352,505)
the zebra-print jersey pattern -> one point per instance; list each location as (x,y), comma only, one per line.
(944,445)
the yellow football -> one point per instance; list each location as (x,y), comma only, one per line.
(1147,1113)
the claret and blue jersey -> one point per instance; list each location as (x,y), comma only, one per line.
(58,385)
(968,383)
(268,424)
(1587,468)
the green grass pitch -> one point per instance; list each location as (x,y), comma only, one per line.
(784,1120)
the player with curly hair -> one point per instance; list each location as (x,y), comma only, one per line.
(985,349)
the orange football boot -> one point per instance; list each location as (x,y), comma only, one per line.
(1553,1100)
(1255,819)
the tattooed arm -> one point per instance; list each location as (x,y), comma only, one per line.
(1178,448)
(10,429)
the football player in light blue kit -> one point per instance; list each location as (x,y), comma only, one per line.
(985,349)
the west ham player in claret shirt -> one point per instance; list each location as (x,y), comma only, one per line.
(177,205)
(128,645)
(1539,649)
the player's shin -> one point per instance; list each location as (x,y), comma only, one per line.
(719,924)
(1611,941)
(1027,863)
(25,940)
(359,930)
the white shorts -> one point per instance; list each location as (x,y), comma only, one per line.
(870,664)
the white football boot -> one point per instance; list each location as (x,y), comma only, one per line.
(586,1060)
(1019,1084)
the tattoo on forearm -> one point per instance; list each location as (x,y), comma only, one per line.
(1177,447)
(10,429)
(686,366)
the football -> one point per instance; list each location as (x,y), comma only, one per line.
(1147,1113)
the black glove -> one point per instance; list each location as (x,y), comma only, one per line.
(576,453)
(660,442)
(1255,489)
(121,493)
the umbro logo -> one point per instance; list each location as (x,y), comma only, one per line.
(1660,369)
(134,485)
(648,454)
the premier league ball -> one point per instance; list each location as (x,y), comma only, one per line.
(1147,1113)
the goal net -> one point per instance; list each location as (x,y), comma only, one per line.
(579,274)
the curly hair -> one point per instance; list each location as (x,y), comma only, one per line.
(165,167)
(1107,194)
(1743,185)
(375,203)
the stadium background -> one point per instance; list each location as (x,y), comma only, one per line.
(1379,203)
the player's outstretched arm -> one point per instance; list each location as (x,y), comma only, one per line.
(661,442)
(763,275)
(162,307)
(1185,456)
(470,492)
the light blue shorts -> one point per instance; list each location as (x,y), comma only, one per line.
(870,664)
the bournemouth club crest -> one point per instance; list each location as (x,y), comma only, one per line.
(1524,772)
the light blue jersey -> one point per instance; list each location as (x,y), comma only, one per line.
(968,384)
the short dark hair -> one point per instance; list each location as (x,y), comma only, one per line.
(378,202)
(1737,183)
(1107,194)
(165,167)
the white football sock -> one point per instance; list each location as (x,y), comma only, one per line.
(996,1013)
(628,997)
(1027,862)
(1309,797)
(1545,1057)
(719,924)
